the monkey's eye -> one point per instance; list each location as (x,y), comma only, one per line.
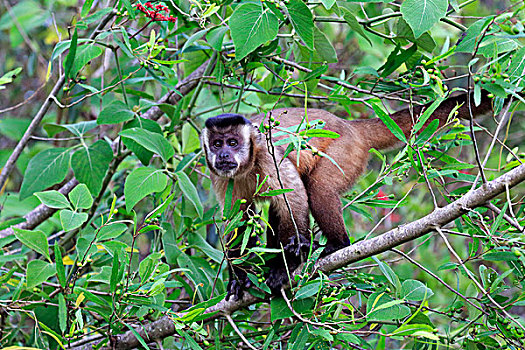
(232,142)
(217,143)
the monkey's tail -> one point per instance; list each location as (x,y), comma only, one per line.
(380,137)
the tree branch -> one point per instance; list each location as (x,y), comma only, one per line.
(164,327)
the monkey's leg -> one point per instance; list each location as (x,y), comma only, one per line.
(325,203)
(284,235)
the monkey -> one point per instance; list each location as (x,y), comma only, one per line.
(235,148)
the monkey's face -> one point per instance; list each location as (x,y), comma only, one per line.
(227,153)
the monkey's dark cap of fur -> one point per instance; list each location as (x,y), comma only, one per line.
(225,120)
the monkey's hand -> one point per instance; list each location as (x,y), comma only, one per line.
(237,286)
(295,246)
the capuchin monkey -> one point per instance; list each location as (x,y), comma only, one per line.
(236,149)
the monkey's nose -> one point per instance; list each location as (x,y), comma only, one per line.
(224,156)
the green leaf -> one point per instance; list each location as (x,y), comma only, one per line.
(411,329)
(35,240)
(323,47)
(114,280)
(53,199)
(328,3)
(280,310)
(71,220)
(196,241)
(390,124)
(146,268)
(415,291)
(322,133)
(85,10)
(382,307)
(273,193)
(70,58)
(302,21)
(142,154)
(111,231)
(84,55)
(190,192)
(91,164)
(472,36)
(388,273)
(428,132)
(153,142)
(421,15)
(251,25)
(61,270)
(141,182)
(38,271)
(517,65)
(9,76)
(80,197)
(116,112)
(308,290)
(47,168)
(351,19)
(215,37)
(62,313)
(428,112)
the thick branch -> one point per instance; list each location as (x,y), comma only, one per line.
(361,250)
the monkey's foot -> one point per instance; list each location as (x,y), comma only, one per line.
(236,288)
(295,248)
(334,246)
(276,279)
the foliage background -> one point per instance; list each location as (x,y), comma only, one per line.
(135,233)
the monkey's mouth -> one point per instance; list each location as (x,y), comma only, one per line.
(225,166)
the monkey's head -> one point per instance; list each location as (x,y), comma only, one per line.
(228,141)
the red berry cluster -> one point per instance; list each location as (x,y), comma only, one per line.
(158,12)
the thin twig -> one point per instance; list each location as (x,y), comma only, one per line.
(236,329)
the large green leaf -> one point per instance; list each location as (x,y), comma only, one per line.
(38,271)
(351,19)
(70,58)
(151,141)
(472,36)
(421,15)
(85,54)
(142,154)
(382,307)
(141,182)
(302,21)
(47,168)
(35,240)
(53,199)
(190,192)
(251,25)
(91,164)
(80,197)
(390,124)
(116,112)
(323,47)
(415,290)
(111,231)
(71,220)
